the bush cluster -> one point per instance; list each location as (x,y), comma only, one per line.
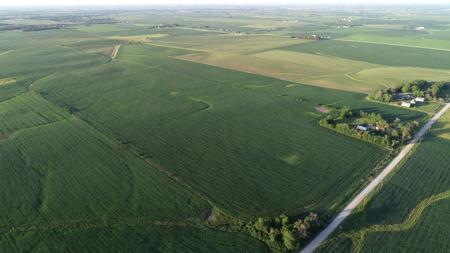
(283,233)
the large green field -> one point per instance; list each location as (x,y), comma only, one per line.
(410,212)
(169,130)
(210,113)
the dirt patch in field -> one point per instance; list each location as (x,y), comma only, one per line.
(115,51)
(3,136)
(210,217)
(6,81)
(322,109)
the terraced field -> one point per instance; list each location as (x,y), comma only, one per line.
(410,212)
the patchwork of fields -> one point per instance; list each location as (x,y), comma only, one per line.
(169,135)
(336,64)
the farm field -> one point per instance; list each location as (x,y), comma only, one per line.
(179,130)
(304,61)
(378,53)
(410,212)
(236,97)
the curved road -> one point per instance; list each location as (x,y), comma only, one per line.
(314,244)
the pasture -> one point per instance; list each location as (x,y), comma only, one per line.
(410,212)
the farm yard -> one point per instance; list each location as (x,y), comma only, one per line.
(165,133)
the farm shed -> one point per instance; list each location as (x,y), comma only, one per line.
(406,104)
(362,128)
(420,99)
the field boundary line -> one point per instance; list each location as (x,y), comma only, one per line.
(176,47)
(94,224)
(13,134)
(319,239)
(393,44)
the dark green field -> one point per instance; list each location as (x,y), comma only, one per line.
(196,124)
(378,54)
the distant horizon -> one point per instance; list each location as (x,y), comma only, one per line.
(49,3)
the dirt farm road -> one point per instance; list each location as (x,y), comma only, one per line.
(314,244)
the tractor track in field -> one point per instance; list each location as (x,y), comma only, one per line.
(320,238)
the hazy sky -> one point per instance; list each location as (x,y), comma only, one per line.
(247,2)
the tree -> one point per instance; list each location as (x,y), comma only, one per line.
(274,235)
(406,88)
(262,224)
(345,112)
(436,88)
(289,240)
(382,125)
(406,133)
(387,98)
(394,133)
(397,123)
(284,220)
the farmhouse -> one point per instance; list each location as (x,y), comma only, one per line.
(406,104)
(419,28)
(404,96)
(420,99)
(316,37)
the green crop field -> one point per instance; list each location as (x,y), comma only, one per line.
(378,53)
(410,212)
(179,129)
(206,125)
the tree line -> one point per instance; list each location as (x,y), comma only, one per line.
(432,91)
(380,131)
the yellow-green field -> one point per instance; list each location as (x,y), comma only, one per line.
(230,43)
(139,38)
(319,70)
(264,55)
